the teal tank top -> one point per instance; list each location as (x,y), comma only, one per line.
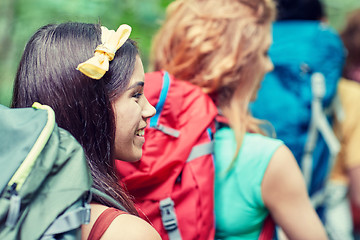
(239,207)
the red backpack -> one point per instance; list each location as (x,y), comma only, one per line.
(173,183)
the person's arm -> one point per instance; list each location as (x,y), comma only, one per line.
(124,226)
(354,176)
(284,193)
(351,136)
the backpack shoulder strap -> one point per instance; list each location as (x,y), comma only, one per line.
(318,124)
(103,222)
(71,219)
(74,218)
(268,229)
(160,104)
(154,121)
(108,198)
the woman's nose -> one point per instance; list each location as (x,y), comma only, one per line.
(270,66)
(148,110)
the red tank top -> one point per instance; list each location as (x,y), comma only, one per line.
(103,222)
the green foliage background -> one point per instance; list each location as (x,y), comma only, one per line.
(338,10)
(19,19)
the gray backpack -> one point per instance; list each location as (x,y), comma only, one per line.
(44,177)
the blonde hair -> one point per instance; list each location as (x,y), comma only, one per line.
(214,44)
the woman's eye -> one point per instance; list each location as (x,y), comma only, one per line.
(137,95)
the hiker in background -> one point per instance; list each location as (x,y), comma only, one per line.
(344,185)
(297,96)
(346,172)
(98,97)
(221,46)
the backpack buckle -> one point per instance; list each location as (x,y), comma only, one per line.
(168,215)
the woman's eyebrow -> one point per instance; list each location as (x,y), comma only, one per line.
(140,83)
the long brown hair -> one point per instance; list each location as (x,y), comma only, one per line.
(47,74)
(214,44)
(351,39)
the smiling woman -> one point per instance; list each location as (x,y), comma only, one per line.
(131,111)
(99,99)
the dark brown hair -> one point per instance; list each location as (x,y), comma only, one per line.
(351,39)
(300,10)
(47,74)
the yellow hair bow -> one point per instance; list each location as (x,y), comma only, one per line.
(98,65)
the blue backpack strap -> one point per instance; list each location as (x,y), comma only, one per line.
(154,121)
(163,94)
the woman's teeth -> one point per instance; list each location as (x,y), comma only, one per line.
(140,132)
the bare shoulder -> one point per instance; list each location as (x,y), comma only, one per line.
(128,226)
(285,196)
(283,153)
(124,226)
(282,177)
(283,162)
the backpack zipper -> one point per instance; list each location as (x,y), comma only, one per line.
(14,207)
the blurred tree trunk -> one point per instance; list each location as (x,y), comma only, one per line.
(7,29)
(7,12)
